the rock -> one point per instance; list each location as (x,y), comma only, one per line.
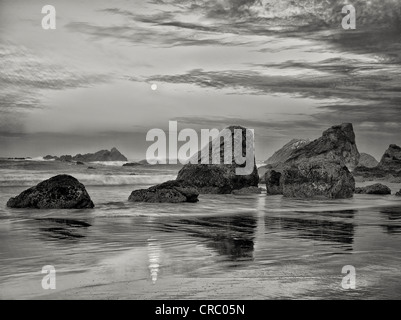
(79,163)
(336,144)
(389,167)
(49,157)
(398,194)
(283,154)
(368,161)
(391,159)
(377,188)
(273,185)
(317,179)
(220,178)
(132,164)
(66,158)
(249,190)
(102,155)
(91,168)
(59,192)
(171,191)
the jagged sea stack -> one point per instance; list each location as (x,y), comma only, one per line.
(336,144)
(59,192)
(321,169)
(221,178)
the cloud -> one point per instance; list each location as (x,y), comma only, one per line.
(24,77)
(370,85)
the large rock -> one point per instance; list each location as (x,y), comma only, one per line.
(283,154)
(102,155)
(317,179)
(336,144)
(398,194)
(59,192)
(368,161)
(377,188)
(273,184)
(220,178)
(171,191)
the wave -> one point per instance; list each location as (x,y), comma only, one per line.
(31,179)
(109,163)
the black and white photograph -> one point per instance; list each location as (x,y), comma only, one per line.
(200,150)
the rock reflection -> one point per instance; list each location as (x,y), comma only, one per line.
(63,229)
(317,229)
(229,236)
(393,223)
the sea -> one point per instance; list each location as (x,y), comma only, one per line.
(223,247)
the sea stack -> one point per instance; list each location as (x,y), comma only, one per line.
(336,144)
(321,168)
(59,192)
(221,178)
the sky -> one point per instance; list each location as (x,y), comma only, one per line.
(286,69)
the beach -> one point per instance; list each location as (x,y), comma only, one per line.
(223,247)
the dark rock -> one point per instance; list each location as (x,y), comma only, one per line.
(273,184)
(220,178)
(79,163)
(398,194)
(59,192)
(336,144)
(368,161)
(283,154)
(249,190)
(377,188)
(91,168)
(49,157)
(171,191)
(317,179)
(132,164)
(102,155)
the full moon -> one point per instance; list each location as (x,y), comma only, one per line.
(154,87)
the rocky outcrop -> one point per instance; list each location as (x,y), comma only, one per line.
(282,155)
(59,192)
(102,155)
(389,167)
(132,164)
(249,190)
(391,159)
(368,161)
(377,188)
(273,184)
(321,168)
(336,144)
(171,192)
(221,178)
(317,179)
(398,194)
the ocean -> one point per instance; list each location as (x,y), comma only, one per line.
(223,247)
